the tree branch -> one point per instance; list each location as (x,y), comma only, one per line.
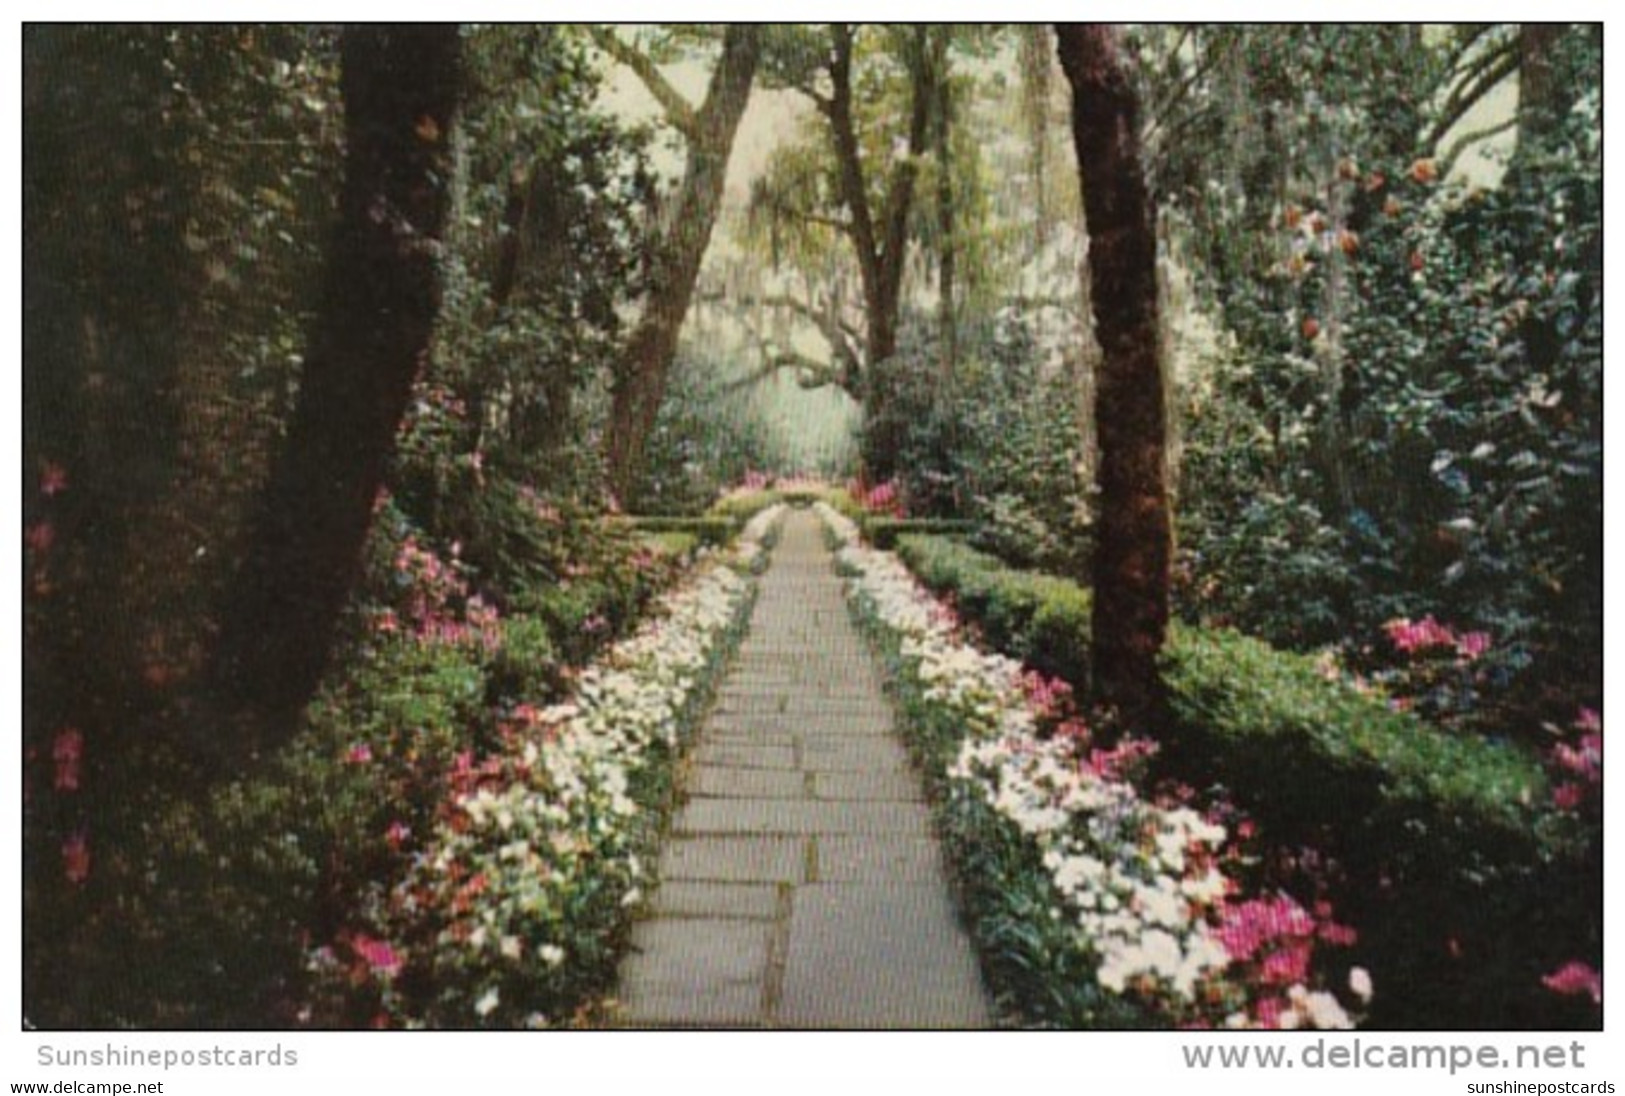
(1204,64)
(1461,144)
(679,112)
(1477,82)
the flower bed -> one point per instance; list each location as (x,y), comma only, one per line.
(1093,903)
(513,912)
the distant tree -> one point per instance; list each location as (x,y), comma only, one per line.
(678,246)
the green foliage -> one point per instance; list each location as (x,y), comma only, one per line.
(707,436)
(1441,838)
(883,532)
(711,531)
(1434,835)
(1037,618)
(996,441)
(1409,421)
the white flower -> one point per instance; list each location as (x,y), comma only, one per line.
(1360,983)
(551,954)
(511,947)
(488,1002)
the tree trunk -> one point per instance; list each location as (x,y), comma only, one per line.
(881,248)
(639,386)
(1132,557)
(382,294)
(947,328)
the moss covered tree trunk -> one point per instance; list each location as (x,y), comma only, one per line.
(381,297)
(1132,555)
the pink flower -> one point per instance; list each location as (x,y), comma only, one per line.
(1420,635)
(359,754)
(53,479)
(40,536)
(66,751)
(397,833)
(378,955)
(1287,966)
(1568,796)
(1270,1010)
(1589,719)
(1471,645)
(1574,978)
(76,858)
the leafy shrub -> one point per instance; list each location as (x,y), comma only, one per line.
(883,532)
(1442,839)
(713,531)
(1039,619)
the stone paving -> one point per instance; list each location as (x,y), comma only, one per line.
(801,886)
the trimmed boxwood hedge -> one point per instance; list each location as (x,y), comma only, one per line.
(1040,619)
(883,532)
(715,531)
(1465,887)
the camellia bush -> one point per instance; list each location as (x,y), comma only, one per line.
(1095,903)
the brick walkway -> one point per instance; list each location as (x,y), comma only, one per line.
(801,886)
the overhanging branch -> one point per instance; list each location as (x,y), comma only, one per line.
(679,112)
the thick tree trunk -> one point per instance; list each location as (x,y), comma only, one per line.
(1132,556)
(639,386)
(400,87)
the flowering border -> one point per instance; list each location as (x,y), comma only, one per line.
(1134,888)
(515,908)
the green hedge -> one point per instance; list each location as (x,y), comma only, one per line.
(715,531)
(1446,851)
(883,532)
(741,506)
(1040,619)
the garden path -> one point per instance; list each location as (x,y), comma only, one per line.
(801,885)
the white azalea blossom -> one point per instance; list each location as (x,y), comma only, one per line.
(513,855)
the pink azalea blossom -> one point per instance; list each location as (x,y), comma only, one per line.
(1589,719)
(397,833)
(1409,636)
(378,955)
(53,479)
(359,754)
(1287,966)
(40,537)
(1574,978)
(1568,796)
(76,858)
(67,750)
(1471,645)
